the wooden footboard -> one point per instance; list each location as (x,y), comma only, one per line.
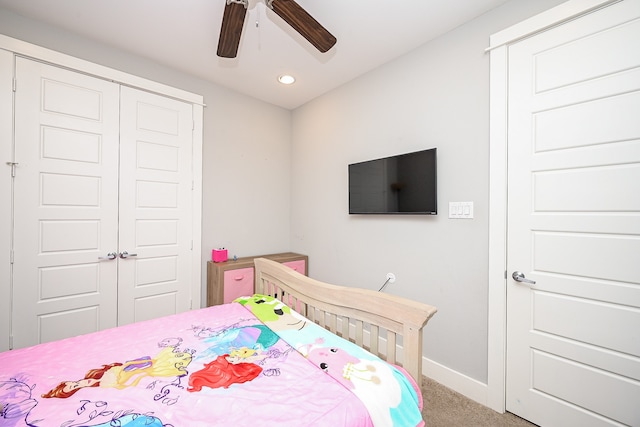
(376,321)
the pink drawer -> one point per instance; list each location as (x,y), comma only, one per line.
(238,283)
(298,265)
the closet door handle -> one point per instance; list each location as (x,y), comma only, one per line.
(125,254)
(110,256)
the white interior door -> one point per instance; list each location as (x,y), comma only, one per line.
(573,337)
(156,190)
(65,203)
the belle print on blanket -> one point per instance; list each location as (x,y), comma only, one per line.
(168,363)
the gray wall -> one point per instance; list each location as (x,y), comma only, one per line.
(436,96)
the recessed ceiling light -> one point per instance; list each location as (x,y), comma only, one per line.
(286,79)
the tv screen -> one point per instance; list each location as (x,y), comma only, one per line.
(402,184)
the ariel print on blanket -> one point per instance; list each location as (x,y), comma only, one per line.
(218,366)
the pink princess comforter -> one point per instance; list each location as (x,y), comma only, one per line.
(218,366)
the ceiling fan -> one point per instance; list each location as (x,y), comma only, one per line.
(290,11)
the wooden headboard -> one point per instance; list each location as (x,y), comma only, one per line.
(373,320)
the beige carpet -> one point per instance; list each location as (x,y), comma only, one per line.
(444,407)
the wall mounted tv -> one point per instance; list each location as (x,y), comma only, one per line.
(402,184)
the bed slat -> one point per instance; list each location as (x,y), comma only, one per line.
(332,323)
(359,341)
(391,347)
(373,339)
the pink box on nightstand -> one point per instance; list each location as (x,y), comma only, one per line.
(219,255)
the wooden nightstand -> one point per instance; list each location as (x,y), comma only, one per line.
(231,279)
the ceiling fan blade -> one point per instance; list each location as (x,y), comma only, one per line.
(231,30)
(298,18)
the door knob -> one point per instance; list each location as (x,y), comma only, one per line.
(125,254)
(110,256)
(518,276)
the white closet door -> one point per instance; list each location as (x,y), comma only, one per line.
(66,198)
(155,206)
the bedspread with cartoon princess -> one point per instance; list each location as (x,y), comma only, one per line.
(218,366)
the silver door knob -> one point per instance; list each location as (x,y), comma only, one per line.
(125,254)
(518,276)
(110,256)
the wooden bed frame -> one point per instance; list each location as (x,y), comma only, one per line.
(365,317)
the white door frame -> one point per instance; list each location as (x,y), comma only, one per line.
(6,155)
(497,320)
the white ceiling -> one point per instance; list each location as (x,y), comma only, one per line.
(183,34)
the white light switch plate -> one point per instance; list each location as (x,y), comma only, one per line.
(461,210)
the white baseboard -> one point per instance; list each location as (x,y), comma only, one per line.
(473,389)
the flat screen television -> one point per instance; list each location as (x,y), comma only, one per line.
(402,184)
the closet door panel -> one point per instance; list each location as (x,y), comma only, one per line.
(66,198)
(155,206)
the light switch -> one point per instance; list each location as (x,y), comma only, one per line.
(453,210)
(461,210)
